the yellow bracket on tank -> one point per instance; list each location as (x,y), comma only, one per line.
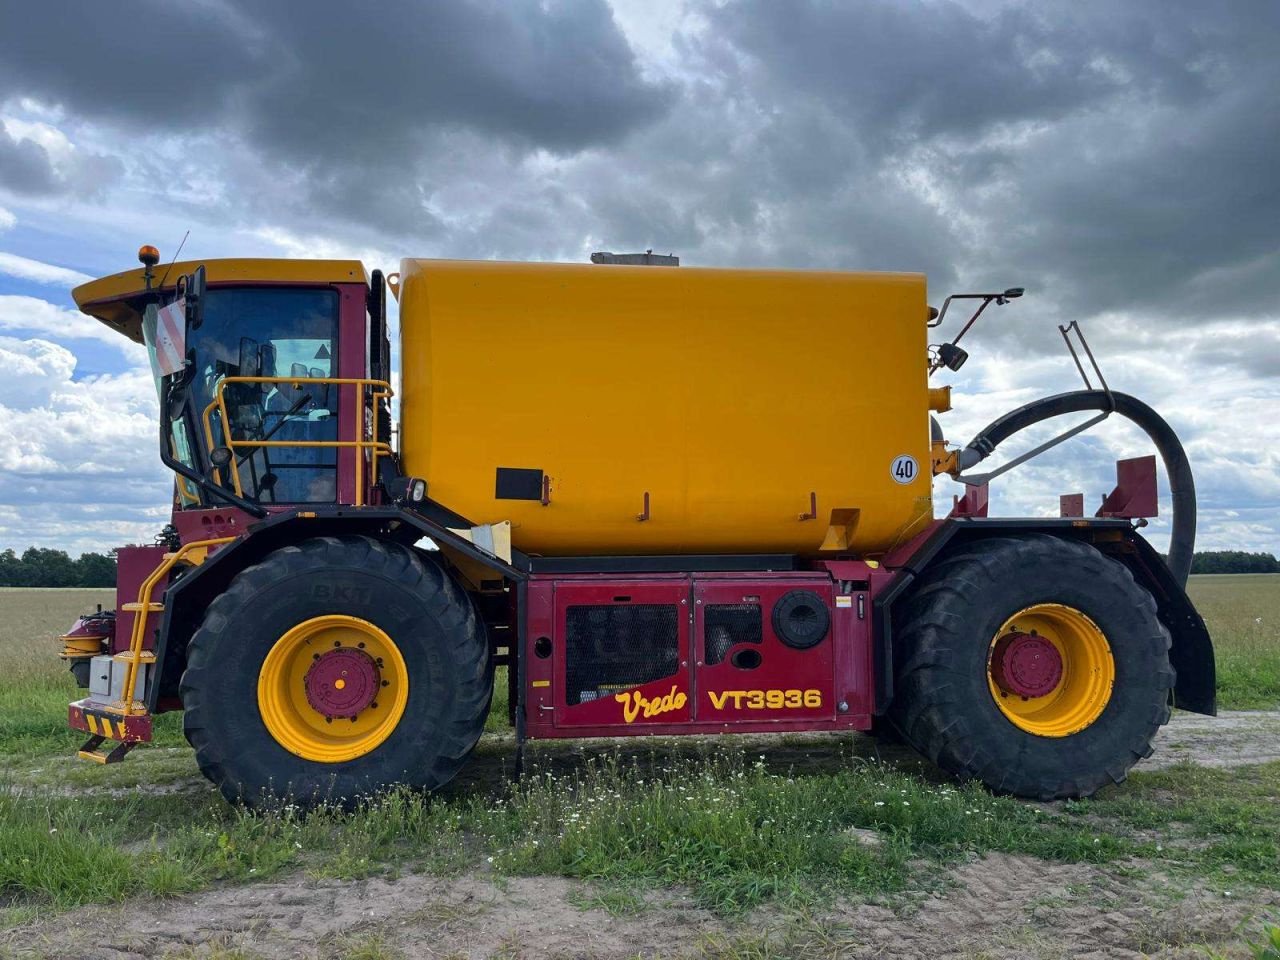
(193,553)
(944,460)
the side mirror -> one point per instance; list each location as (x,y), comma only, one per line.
(250,357)
(193,289)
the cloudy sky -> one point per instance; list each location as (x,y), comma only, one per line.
(1117,160)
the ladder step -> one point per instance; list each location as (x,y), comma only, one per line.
(91,751)
(140,607)
(144,656)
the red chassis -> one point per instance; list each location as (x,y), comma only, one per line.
(668,653)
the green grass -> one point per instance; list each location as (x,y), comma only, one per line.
(1243,615)
(735,829)
(725,825)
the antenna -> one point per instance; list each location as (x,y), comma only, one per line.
(175,258)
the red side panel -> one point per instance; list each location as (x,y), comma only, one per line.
(759,680)
(622,653)
(353,363)
(693,653)
(133,565)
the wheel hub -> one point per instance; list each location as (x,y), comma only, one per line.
(1026,665)
(342,682)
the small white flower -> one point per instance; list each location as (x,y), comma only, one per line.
(879,803)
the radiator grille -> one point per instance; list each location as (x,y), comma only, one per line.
(610,648)
(726,624)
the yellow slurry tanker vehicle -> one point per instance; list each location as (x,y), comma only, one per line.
(668,500)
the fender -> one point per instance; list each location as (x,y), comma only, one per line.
(1191,653)
(188,595)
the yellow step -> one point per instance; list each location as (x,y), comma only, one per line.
(139,607)
(144,656)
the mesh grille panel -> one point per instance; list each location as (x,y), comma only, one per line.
(613,648)
(725,624)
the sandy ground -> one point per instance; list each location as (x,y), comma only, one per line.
(1000,906)
(1231,739)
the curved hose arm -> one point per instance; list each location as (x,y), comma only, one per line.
(1181,482)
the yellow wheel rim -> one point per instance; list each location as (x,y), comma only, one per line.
(333,688)
(1050,670)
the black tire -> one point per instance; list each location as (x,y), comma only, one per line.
(942,701)
(425,613)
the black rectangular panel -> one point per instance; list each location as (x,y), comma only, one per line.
(517,483)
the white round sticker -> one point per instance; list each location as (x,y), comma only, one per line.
(904,469)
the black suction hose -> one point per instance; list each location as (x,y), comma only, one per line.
(1182,486)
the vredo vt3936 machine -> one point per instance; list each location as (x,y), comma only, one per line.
(668,500)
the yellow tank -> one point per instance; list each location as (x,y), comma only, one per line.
(669,409)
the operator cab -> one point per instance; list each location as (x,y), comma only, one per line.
(271,376)
(270,333)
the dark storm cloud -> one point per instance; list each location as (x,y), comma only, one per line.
(27,169)
(1115,156)
(1108,157)
(329,81)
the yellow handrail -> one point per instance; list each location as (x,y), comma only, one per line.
(143,611)
(382,390)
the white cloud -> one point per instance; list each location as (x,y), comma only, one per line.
(74,466)
(7,220)
(33,315)
(26,269)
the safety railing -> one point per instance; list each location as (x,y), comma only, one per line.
(381,390)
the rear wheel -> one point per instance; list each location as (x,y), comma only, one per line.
(333,669)
(1036,665)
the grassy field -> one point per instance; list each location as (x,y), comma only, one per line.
(1242,612)
(734,826)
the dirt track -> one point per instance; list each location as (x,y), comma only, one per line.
(1001,906)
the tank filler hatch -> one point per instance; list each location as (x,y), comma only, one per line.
(646,259)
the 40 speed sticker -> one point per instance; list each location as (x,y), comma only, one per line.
(904,469)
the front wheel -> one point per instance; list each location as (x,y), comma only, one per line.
(333,669)
(1034,664)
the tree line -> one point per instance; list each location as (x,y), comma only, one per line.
(1234,561)
(41,567)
